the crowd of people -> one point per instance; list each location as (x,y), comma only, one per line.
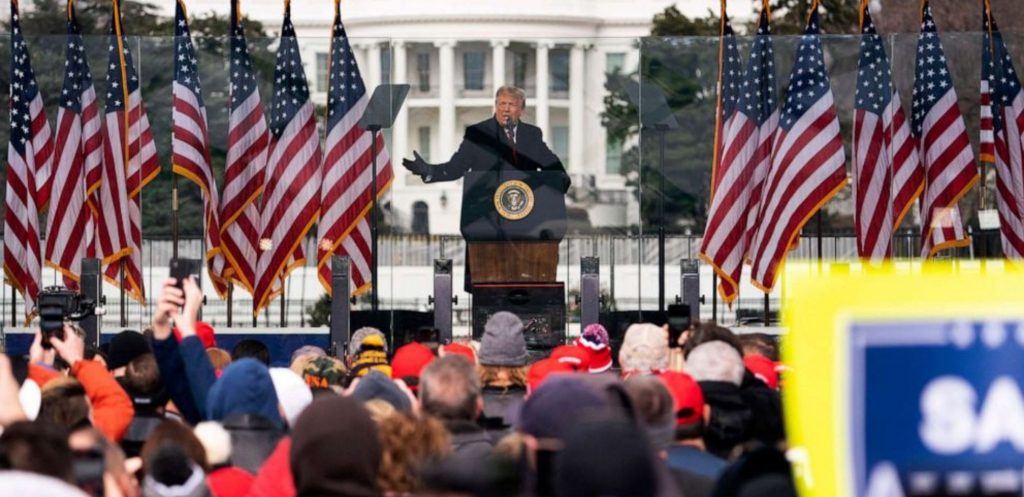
(165,412)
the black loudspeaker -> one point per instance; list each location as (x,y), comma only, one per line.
(398,326)
(616,322)
(541,307)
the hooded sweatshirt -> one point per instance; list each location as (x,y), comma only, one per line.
(244,401)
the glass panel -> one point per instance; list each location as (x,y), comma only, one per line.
(559,70)
(423,70)
(473,70)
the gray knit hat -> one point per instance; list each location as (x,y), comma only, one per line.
(360,335)
(503,343)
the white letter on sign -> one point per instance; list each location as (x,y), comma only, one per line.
(947,409)
(1002,417)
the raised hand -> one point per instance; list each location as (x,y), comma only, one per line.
(417,165)
(186,320)
(71,348)
(167,307)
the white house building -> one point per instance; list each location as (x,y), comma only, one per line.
(454,54)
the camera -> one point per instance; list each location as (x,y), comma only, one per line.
(56,304)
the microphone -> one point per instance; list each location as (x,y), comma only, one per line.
(508,124)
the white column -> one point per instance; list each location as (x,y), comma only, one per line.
(400,134)
(446,145)
(373,64)
(543,89)
(577,83)
(498,48)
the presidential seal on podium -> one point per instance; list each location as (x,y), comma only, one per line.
(513,200)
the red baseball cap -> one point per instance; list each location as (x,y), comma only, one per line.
(543,369)
(409,361)
(686,394)
(573,355)
(763,369)
(458,349)
(204,332)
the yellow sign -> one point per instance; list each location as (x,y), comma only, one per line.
(513,200)
(905,381)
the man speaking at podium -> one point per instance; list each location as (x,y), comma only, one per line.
(495,144)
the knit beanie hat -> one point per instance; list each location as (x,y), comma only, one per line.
(125,347)
(170,473)
(573,355)
(375,385)
(595,340)
(409,361)
(372,354)
(644,349)
(292,393)
(503,343)
(585,468)
(216,442)
(360,335)
(336,449)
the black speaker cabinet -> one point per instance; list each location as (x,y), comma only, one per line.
(398,326)
(541,307)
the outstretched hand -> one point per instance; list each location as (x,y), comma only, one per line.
(167,306)
(417,165)
(186,321)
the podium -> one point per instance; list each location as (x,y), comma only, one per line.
(513,221)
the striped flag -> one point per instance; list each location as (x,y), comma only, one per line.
(190,144)
(345,196)
(743,157)
(945,149)
(77,154)
(887,170)
(29,152)
(129,163)
(807,162)
(246,157)
(1005,108)
(291,200)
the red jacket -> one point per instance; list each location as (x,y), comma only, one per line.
(275,476)
(229,482)
(112,409)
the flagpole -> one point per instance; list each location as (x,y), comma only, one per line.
(174,216)
(284,297)
(124,303)
(231,295)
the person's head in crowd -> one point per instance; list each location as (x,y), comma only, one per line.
(357,341)
(219,358)
(562,401)
(245,388)
(595,341)
(371,355)
(763,368)
(586,470)
(644,350)
(36,448)
(302,355)
(379,409)
(336,450)
(25,484)
(450,389)
(124,348)
(92,451)
(760,471)
(204,332)
(706,331)
(502,355)
(375,385)
(578,358)
(715,361)
(456,348)
(408,444)
(64,405)
(325,374)
(98,354)
(292,393)
(760,344)
(426,335)
(170,472)
(251,348)
(655,410)
(690,410)
(409,361)
(216,442)
(142,376)
(544,369)
(179,435)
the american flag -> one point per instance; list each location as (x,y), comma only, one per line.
(999,81)
(345,196)
(807,163)
(246,157)
(29,152)
(887,171)
(190,144)
(743,158)
(78,155)
(945,149)
(129,163)
(291,200)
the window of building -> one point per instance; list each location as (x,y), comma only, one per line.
(560,143)
(420,218)
(424,137)
(614,62)
(613,156)
(519,62)
(560,70)
(321,71)
(473,70)
(423,70)
(385,64)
